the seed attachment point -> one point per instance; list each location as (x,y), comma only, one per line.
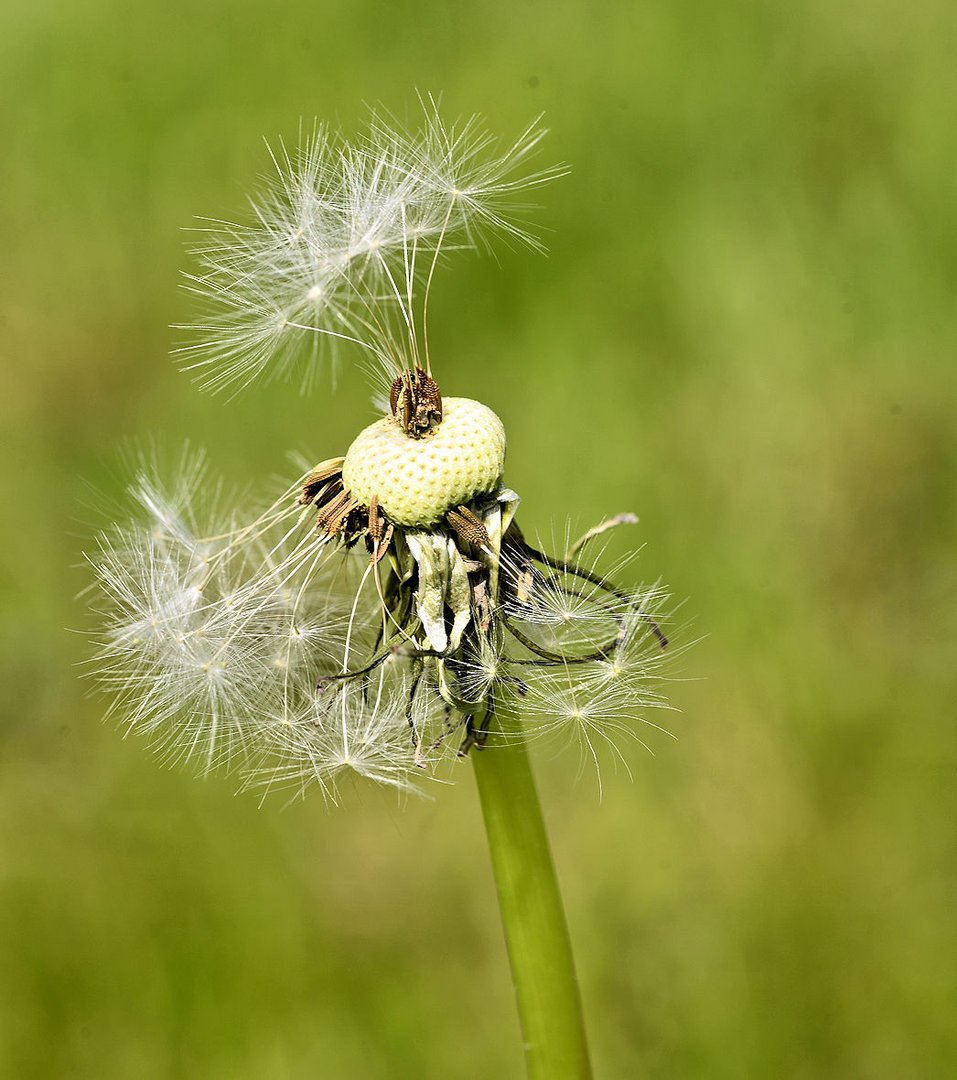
(416,403)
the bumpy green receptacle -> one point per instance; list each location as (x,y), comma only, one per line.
(416,481)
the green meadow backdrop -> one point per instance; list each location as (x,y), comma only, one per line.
(745,331)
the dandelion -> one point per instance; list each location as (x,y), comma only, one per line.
(385,614)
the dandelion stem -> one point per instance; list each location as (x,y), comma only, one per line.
(536,932)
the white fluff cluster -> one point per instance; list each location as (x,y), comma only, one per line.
(340,241)
(221,643)
(267,649)
(609,664)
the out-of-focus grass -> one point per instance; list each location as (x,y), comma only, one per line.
(745,332)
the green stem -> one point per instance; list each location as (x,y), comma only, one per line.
(536,933)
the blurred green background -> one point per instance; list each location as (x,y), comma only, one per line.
(745,331)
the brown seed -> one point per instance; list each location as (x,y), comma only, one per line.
(320,476)
(468,526)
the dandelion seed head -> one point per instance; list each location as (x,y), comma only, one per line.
(370,621)
(271,649)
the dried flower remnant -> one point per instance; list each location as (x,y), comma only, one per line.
(372,619)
